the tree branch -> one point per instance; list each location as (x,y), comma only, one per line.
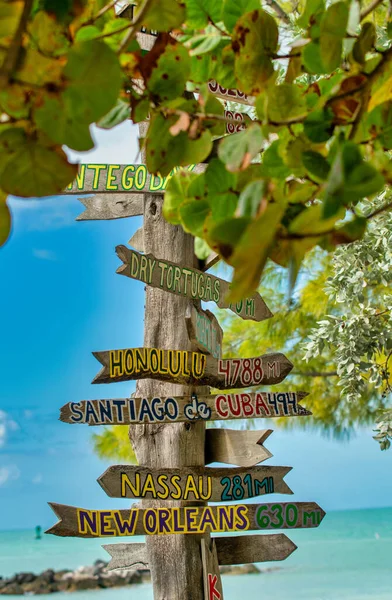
(380,210)
(315,373)
(11,59)
(279,11)
(368,9)
(103,10)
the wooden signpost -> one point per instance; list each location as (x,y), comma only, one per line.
(193,483)
(233,550)
(81,522)
(212,581)
(191,368)
(204,331)
(188,282)
(177,409)
(235,447)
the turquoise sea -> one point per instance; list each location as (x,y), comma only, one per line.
(349,557)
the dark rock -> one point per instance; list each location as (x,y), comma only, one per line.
(239,569)
(83,583)
(12,589)
(25,577)
(47,576)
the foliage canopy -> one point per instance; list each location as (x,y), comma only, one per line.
(318,79)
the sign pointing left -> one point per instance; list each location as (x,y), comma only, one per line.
(190,368)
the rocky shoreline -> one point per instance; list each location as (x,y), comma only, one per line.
(86,578)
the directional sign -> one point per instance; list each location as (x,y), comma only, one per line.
(176,409)
(116,206)
(235,447)
(81,522)
(188,282)
(233,550)
(211,576)
(190,368)
(204,331)
(240,117)
(193,483)
(137,242)
(120,179)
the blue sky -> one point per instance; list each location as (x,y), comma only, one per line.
(61,300)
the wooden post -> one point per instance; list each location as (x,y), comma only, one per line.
(175,560)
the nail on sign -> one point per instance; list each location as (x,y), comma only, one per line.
(80,522)
(188,282)
(125,411)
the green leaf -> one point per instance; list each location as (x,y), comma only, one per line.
(312,8)
(35,170)
(332,32)
(164,152)
(273,164)
(89,32)
(316,165)
(237,150)
(93,81)
(202,249)
(251,253)
(164,15)
(222,66)
(255,40)
(234,9)
(167,80)
(285,101)
(350,232)
(15,100)
(176,194)
(311,56)
(217,178)
(10,13)
(48,34)
(226,235)
(364,43)
(251,198)
(38,70)
(193,214)
(118,114)
(200,12)
(310,221)
(5,219)
(52,117)
(222,205)
(318,126)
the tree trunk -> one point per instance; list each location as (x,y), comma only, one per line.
(175,560)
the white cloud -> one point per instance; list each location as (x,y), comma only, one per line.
(44,254)
(8,474)
(37,479)
(6,425)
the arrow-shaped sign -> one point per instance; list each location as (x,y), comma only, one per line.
(211,576)
(235,447)
(113,206)
(81,522)
(204,331)
(188,282)
(176,409)
(190,368)
(233,550)
(193,483)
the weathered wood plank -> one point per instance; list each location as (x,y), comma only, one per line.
(235,447)
(107,207)
(193,368)
(176,409)
(212,583)
(233,550)
(137,240)
(193,483)
(184,281)
(211,260)
(81,522)
(204,331)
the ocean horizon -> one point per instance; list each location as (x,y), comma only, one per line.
(347,558)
